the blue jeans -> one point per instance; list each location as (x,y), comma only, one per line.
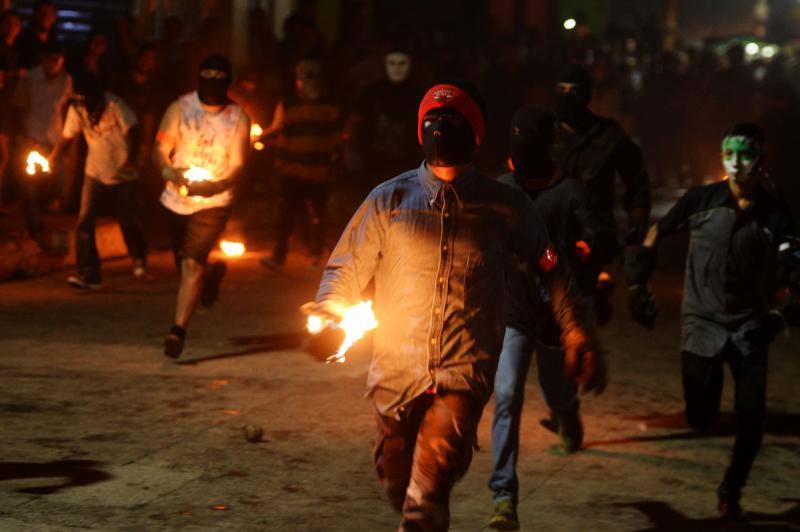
(559,393)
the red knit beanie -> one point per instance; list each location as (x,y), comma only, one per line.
(447,96)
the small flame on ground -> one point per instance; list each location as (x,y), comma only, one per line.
(258,145)
(356,322)
(232,249)
(256,131)
(36,159)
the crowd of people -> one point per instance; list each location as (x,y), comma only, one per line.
(472,272)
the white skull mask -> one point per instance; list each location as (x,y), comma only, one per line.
(398,66)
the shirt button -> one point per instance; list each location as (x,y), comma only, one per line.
(433,340)
(444,248)
(441,280)
(436,311)
(447,215)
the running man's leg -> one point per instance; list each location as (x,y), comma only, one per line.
(509,395)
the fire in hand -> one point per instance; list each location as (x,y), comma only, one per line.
(355,323)
(36,159)
(255,137)
(194,174)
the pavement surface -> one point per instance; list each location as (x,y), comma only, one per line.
(99,431)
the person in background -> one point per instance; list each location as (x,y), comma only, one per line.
(112,137)
(10,27)
(38,34)
(381,129)
(308,125)
(203,132)
(42,96)
(141,89)
(594,150)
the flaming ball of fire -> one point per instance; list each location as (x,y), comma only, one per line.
(195,174)
(355,323)
(36,159)
(232,249)
(255,137)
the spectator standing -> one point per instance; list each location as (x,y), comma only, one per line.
(39,33)
(308,124)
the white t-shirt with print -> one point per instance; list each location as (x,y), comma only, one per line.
(205,140)
(107,146)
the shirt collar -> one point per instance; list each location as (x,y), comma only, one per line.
(433,186)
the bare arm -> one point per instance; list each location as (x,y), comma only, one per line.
(166,138)
(651,238)
(277,121)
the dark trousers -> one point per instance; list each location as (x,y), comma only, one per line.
(421,456)
(702,391)
(122,197)
(305,201)
(194,236)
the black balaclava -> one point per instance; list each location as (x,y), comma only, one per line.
(448,138)
(214,78)
(573,94)
(532,135)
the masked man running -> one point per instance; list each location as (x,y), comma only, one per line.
(201,148)
(435,240)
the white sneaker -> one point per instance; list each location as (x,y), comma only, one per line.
(139,270)
(79,282)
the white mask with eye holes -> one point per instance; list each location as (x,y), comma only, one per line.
(398,66)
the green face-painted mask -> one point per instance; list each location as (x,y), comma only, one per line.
(739,157)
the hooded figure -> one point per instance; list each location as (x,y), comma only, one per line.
(573,94)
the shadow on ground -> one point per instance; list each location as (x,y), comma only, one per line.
(255,345)
(664,518)
(777,424)
(76,473)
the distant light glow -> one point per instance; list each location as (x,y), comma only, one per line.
(752,48)
(570,24)
(258,145)
(768,51)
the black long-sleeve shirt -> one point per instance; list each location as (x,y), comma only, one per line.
(563,206)
(733,265)
(594,155)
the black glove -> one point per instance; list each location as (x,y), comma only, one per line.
(642,305)
(769,326)
(640,263)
